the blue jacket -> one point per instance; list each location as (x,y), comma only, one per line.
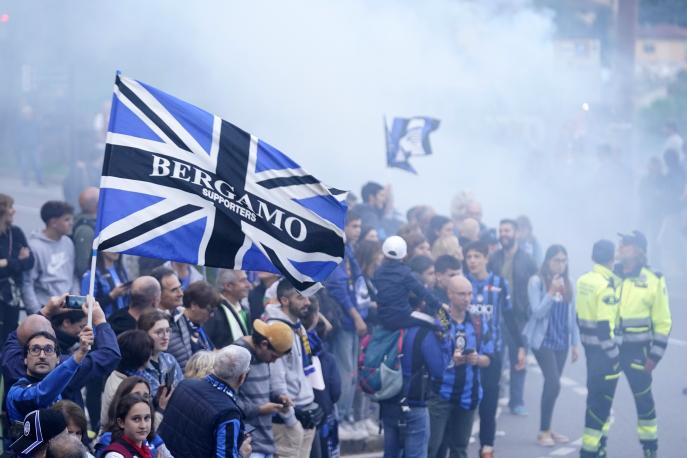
(541,303)
(155,373)
(341,287)
(422,362)
(394,282)
(29,393)
(105,282)
(97,364)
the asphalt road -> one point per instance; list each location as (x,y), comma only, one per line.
(28,201)
(670,377)
(516,437)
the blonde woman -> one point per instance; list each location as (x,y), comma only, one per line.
(200,364)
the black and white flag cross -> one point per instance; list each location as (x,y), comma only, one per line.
(182,184)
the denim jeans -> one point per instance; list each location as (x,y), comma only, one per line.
(416,438)
(345,346)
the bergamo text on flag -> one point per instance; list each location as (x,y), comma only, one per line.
(182,184)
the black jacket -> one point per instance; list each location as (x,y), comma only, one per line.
(11,241)
(192,418)
(217,327)
(523,269)
(122,321)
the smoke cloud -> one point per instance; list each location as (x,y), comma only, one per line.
(315,79)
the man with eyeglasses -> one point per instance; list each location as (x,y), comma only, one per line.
(97,364)
(45,380)
(258,398)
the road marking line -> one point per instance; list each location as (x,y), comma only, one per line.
(678,342)
(563,451)
(566,381)
(366,455)
(581,390)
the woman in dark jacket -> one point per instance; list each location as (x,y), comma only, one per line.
(111,283)
(15,259)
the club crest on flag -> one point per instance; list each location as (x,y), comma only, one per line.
(408,137)
(182,184)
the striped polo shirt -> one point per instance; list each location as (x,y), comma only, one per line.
(461,384)
(490,297)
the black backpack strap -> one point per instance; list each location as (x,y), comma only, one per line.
(418,390)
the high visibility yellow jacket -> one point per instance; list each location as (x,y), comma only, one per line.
(644,310)
(598,298)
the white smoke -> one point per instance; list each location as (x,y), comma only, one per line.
(315,80)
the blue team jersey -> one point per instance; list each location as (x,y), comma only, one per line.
(462,383)
(490,298)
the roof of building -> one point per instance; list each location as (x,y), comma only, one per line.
(663,31)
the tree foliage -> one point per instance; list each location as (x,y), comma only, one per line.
(672,107)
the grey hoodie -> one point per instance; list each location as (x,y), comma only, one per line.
(52,273)
(286,373)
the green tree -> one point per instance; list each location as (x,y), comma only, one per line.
(663,12)
(672,107)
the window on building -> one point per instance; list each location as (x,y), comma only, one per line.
(649,47)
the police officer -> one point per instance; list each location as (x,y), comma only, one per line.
(644,326)
(597,314)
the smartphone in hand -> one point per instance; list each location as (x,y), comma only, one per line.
(75,302)
(169,380)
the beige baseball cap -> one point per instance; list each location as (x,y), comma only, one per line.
(278,334)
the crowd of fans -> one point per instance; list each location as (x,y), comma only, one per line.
(176,365)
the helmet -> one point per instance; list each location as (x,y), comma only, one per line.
(395,247)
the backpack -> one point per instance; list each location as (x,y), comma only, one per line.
(379,363)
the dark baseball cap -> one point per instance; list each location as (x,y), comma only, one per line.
(603,251)
(39,427)
(636,238)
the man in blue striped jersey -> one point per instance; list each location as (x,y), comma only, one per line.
(455,398)
(491,303)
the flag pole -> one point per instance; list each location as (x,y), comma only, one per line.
(101,201)
(386,140)
(91,284)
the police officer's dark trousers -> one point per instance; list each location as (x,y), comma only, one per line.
(632,359)
(602,380)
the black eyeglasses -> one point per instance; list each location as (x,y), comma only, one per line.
(35,350)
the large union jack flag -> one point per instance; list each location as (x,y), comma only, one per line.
(182,184)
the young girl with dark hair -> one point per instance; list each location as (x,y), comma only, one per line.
(134,427)
(130,385)
(551,331)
